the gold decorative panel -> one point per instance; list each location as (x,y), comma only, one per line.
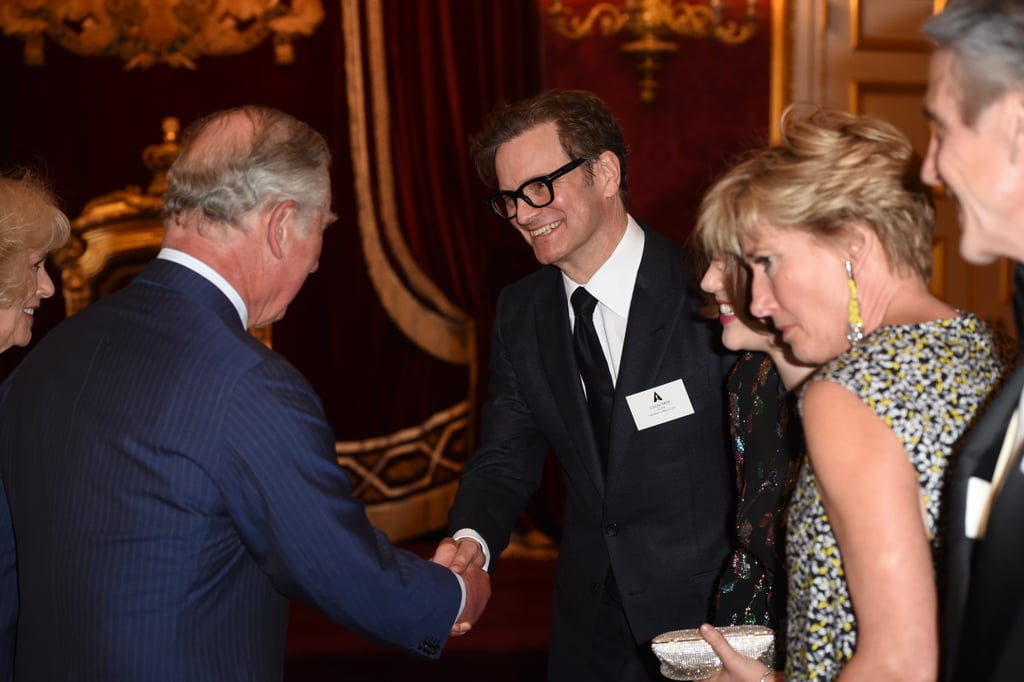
(890,24)
(780,92)
(649,28)
(897,102)
(408,479)
(148,32)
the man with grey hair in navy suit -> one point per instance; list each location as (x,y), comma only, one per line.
(172,482)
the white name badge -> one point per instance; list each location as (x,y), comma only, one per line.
(659,404)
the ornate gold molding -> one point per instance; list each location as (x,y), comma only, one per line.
(117,233)
(148,32)
(408,478)
(912,40)
(781,85)
(649,27)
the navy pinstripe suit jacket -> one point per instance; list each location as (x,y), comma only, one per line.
(172,484)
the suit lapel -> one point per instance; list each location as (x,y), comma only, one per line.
(653,315)
(554,338)
(996,592)
(977,459)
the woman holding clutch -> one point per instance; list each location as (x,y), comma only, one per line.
(837,230)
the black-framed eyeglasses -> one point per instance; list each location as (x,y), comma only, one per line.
(537,192)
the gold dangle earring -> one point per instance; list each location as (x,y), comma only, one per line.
(855,326)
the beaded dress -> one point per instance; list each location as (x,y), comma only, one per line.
(767,443)
(926,380)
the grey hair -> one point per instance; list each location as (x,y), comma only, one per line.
(987,37)
(225,175)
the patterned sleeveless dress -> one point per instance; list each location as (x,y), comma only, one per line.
(927,382)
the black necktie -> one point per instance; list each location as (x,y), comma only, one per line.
(597,378)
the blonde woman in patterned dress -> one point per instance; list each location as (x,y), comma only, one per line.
(837,229)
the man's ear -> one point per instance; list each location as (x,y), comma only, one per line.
(608,172)
(1015,125)
(278,227)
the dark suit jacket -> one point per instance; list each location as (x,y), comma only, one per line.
(172,483)
(983,604)
(659,520)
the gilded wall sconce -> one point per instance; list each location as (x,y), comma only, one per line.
(650,25)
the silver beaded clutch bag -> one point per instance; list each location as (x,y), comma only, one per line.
(684,654)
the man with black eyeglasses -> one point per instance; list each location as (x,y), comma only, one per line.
(602,356)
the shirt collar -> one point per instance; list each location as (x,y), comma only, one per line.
(206,272)
(613,282)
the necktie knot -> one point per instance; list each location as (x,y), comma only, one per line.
(583,303)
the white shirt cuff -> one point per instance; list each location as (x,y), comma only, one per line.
(462,602)
(475,537)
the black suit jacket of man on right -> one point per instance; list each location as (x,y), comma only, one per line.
(659,518)
(983,600)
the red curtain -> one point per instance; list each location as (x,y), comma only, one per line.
(450,63)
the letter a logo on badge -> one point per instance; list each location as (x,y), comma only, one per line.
(659,404)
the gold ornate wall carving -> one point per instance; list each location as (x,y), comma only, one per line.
(649,28)
(148,32)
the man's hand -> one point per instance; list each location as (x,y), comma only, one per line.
(478,592)
(459,555)
(466,558)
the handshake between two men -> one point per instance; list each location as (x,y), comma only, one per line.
(466,558)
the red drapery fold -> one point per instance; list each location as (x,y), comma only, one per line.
(449,64)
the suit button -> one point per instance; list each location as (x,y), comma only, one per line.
(611,530)
(429,645)
(595,588)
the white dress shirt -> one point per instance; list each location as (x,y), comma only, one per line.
(612,285)
(206,272)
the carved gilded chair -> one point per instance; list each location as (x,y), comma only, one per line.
(118,233)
